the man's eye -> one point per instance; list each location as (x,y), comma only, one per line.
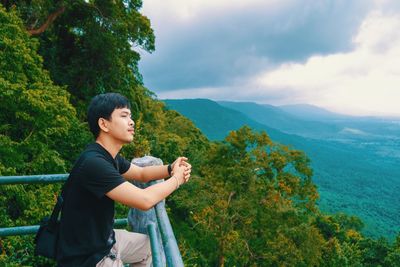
(126,116)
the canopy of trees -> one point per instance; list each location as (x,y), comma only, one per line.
(251,201)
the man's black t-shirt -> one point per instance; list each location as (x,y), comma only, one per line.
(87,217)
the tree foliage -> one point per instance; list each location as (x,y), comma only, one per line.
(256,201)
(88,47)
(36,121)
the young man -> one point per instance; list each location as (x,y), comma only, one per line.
(97,180)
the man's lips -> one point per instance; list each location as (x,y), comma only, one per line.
(132,131)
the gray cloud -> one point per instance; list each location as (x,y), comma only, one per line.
(221,48)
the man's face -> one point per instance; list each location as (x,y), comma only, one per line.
(121,125)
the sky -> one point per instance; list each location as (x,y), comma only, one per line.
(342,55)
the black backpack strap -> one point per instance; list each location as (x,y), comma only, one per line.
(56,211)
(59,204)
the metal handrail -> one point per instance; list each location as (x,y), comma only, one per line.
(172,252)
(37,179)
(32,229)
(33,179)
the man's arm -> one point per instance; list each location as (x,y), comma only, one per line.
(149,173)
(146,174)
(144,199)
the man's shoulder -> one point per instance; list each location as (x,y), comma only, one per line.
(92,160)
(93,148)
(91,156)
(92,152)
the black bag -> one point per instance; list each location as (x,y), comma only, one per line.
(47,236)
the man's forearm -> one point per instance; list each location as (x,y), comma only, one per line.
(154,173)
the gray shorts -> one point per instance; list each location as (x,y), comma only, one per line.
(132,248)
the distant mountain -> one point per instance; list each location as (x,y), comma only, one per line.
(314,122)
(312,113)
(284,121)
(353,175)
(315,113)
(216,121)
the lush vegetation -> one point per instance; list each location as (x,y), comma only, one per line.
(350,170)
(251,202)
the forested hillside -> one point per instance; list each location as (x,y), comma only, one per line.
(251,202)
(351,173)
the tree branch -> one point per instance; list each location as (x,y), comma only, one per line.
(49,20)
(230,196)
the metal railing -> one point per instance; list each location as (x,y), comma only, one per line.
(171,250)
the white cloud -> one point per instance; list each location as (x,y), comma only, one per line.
(363,81)
(183,10)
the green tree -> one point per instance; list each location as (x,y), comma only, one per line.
(36,120)
(374,252)
(36,115)
(393,257)
(87,45)
(256,200)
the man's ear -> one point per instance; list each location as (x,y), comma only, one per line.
(103,124)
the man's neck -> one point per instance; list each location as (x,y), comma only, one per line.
(109,145)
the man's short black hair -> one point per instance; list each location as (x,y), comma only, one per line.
(102,106)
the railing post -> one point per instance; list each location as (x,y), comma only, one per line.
(172,252)
(155,246)
(140,219)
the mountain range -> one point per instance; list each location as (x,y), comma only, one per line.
(354,159)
